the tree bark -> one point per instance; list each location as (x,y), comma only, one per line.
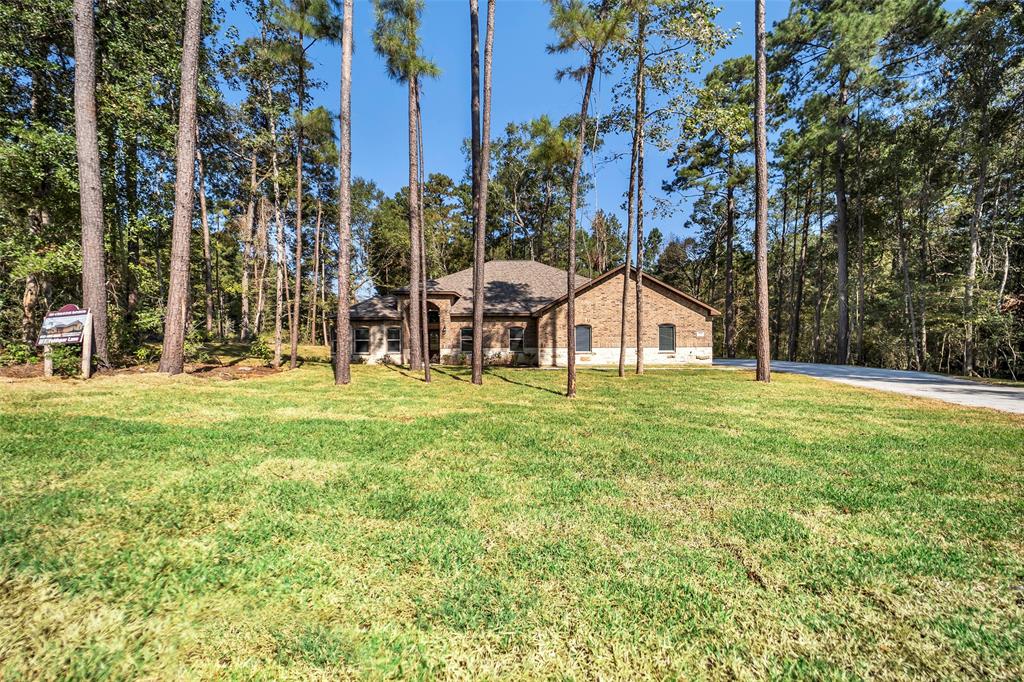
(475,178)
(343,342)
(570,280)
(842,222)
(293,326)
(820,277)
(172,358)
(972,261)
(798,297)
(316,272)
(730,275)
(424,320)
(415,358)
(281,261)
(207,258)
(761,200)
(640,245)
(631,201)
(780,273)
(94,276)
(247,255)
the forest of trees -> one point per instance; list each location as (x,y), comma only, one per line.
(895,214)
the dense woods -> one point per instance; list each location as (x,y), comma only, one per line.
(895,208)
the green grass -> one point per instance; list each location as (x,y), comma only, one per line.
(684,524)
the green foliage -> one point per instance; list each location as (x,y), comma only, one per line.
(67,360)
(261,350)
(146,354)
(16,353)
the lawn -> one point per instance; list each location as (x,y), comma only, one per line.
(684,524)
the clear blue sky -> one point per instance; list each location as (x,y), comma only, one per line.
(524,87)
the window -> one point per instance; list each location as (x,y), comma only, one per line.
(433,316)
(583,338)
(666,337)
(515,339)
(466,340)
(361,340)
(394,339)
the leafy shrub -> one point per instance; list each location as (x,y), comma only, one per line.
(261,350)
(146,354)
(67,361)
(195,350)
(17,353)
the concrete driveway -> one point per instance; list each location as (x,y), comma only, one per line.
(921,384)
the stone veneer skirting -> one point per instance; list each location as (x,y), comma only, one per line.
(610,356)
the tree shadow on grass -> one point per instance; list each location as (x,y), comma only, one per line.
(404,372)
(492,373)
(449,373)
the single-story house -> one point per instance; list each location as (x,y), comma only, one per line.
(524,319)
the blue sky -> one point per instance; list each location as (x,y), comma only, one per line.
(524,87)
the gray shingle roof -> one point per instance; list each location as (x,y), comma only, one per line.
(511,287)
(376,308)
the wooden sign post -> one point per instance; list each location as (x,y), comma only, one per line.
(69,325)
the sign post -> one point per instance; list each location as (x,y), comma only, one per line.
(69,325)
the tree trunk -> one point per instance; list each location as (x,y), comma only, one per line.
(761,200)
(820,278)
(343,343)
(316,272)
(730,277)
(570,280)
(260,266)
(781,272)
(172,358)
(94,276)
(972,262)
(479,211)
(281,260)
(207,258)
(293,325)
(842,222)
(798,297)
(908,293)
(640,245)
(131,182)
(424,320)
(414,238)
(631,198)
(247,255)
(860,244)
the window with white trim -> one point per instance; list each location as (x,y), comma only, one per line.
(466,340)
(584,338)
(515,339)
(361,340)
(394,339)
(666,338)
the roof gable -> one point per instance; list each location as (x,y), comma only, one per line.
(590,284)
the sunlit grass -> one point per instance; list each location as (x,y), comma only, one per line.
(682,524)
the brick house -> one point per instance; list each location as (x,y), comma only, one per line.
(524,319)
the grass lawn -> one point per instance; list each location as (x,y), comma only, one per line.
(687,523)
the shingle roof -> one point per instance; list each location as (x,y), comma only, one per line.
(376,308)
(511,287)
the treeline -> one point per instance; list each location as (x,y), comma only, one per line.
(897,234)
(897,211)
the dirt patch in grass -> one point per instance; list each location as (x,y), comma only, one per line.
(31,370)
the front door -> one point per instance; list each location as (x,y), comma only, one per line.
(434,344)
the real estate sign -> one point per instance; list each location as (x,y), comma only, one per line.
(64,326)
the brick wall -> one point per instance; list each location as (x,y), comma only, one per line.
(601,307)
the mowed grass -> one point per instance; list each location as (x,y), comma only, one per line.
(684,524)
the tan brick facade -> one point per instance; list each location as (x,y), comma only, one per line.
(600,307)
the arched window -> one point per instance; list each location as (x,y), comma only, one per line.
(584,338)
(666,338)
